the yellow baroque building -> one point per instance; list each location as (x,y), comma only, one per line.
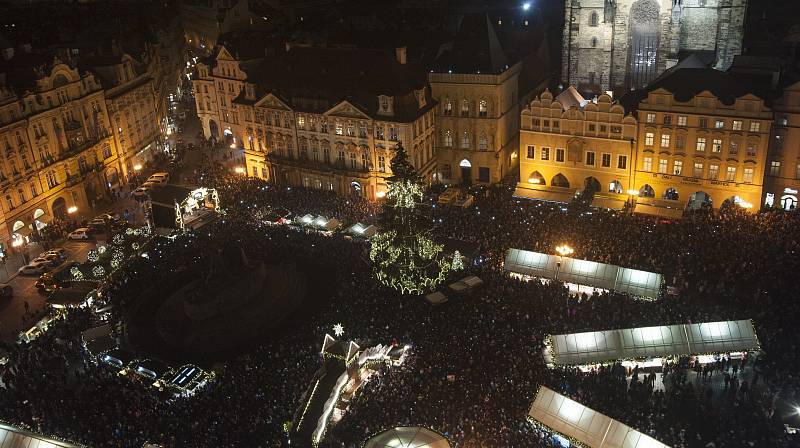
(702,140)
(55,145)
(319,118)
(569,144)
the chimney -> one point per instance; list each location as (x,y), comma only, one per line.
(400,54)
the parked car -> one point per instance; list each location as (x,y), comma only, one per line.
(6,290)
(141,192)
(50,281)
(160,175)
(79,234)
(34,268)
(60,251)
(52,259)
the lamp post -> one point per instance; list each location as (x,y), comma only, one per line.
(632,199)
(563,250)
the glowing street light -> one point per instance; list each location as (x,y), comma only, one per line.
(633,192)
(380,194)
(72,210)
(137,167)
(534,180)
(239,170)
(526,6)
(564,250)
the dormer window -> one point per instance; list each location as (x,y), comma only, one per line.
(384,105)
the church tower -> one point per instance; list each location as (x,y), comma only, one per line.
(625,44)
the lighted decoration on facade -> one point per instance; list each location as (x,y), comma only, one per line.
(101,249)
(404,256)
(118,239)
(338,330)
(178,216)
(93,256)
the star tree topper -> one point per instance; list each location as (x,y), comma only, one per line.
(338,330)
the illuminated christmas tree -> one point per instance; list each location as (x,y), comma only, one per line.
(403,254)
(458,263)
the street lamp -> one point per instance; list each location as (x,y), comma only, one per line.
(564,250)
(137,167)
(239,170)
(72,210)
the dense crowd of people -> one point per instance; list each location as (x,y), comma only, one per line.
(475,362)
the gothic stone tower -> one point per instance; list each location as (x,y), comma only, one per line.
(623,44)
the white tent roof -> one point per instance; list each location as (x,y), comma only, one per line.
(586,425)
(11,437)
(666,340)
(584,272)
(408,437)
(364,230)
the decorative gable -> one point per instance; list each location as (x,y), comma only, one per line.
(346,109)
(270,101)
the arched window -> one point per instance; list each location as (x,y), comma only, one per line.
(594,42)
(483,142)
(483,108)
(448,138)
(464,108)
(448,107)
(593,19)
(465,140)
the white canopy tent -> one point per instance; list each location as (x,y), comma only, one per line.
(11,437)
(362,230)
(589,427)
(408,437)
(584,272)
(648,342)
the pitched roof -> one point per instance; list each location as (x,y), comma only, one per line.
(475,49)
(316,79)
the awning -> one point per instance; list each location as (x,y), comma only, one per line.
(609,203)
(652,210)
(551,194)
(16,437)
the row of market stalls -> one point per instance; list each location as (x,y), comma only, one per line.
(585,425)
(408,437)
(652,343)
(583,275)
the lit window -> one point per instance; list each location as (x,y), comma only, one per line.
(662,166)
(713,172)
(774,168)
(483,108)
(647,164)
(698,170)
(701,144)
(665,140)
(651,118)
(677,167)
(716,145)
(339,128)
(681,120)
(747,175)
(755,126)
(545,153)
(730,174)
(736,125)
(719,124)
(648,139)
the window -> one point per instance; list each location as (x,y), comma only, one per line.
(51,179)
(747,176)
(616,129)
(648,139)
(592,127)
(736,125)
(465,140)
(751,150)
(448,107)
(560,155)
(755,126)
(352,160)
(667,120)
(339,128)
(719,124)
(703,123)
(716,145)
(545,153)
(651,117)
(622,162)
(379,132)
(483,142)
(733,148)
(797,171)
(681,120)
(314,153)
(382,164)
(677,167)
(34,193)
(255,171)
(698,170)
(594,45)
(680,142)
(647,164)
(701,144)
(556,124)
(340,158)
(713,172)
(448,138)
(774,168)
(590,158)
(536,122)
(730,174)
(362,130)
(464,108)
(665,140)
(326,154)
(351,129)
(593,20)
(323,125)
(384,103)
(605,160)
(483,109)
(531,152)
(364,160)
(662,166)
(446,171)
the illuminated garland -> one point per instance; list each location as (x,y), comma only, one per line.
(118,239)
(93,256)
(76,273)
(458,264)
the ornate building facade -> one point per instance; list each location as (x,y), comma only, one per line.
(320,118)
(624,44)
(568,144)
(782,182)
(55,142)
(702,140)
